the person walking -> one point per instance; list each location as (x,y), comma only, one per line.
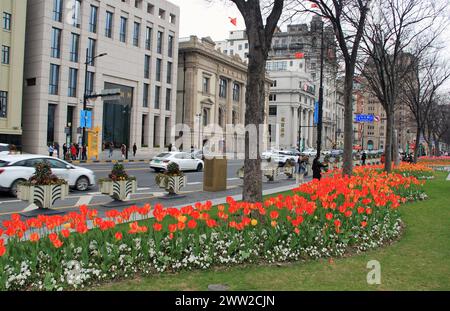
(317,167)
(123,150)
(363,158)
(73,151)
(84,152)
(56,149)
(50,150)
(134,149)
(64,151)
(111,149)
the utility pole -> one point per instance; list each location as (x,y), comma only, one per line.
(320,116)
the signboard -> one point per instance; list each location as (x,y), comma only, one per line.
(316,113)
(368,118)
(93,142)
(86,119)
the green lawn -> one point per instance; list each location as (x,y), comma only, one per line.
(419,261)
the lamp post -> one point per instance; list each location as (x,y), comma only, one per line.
(199,116)
(85,95)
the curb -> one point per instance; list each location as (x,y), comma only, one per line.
(104,161)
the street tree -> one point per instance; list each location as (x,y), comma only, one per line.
(438,123)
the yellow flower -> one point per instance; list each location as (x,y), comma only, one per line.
(254,222)
(182,218)
(66,226)
(273,223)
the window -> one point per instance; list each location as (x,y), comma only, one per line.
(246,45)
(56,43)
(93,19)
(57,10)
(6,21)
(157,96)
(136,33)
(74,47)
(274,84)
(162,14)
(73,77)
(170,46)
(169,72)
(205,115)
(138,4)
(272,97)
(109,24)
(91,51)
(168,98)
(54,79)
(240,47)
(206,85)
(3,104)
(159,42)
(272,110)
(276,66)
(5,54)
(172,19)
(145,100)
(148,38)
(158,69)
(76,16)
(150,8)
(50,124)
(123,29)
(220,117)
(223,88)
(236,92)
(147,67)
(90,83)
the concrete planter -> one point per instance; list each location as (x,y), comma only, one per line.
(173,184)
(43,196)
(118,190)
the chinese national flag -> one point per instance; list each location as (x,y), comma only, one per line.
(299,55)
(233,20)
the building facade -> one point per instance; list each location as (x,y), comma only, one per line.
(236,44)
(128,46)
(12,43)
(211,92)
(291,103)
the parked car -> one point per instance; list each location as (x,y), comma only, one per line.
(185,161)
(326,152)
(337,152)
(311,152)
(280,156)
(4,149)
(18,168)
(198,154)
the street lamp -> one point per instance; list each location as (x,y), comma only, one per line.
(85,95)
(199,115)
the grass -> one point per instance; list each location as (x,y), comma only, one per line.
(419,261)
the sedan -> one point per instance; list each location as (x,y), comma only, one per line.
(185,161)
(311,152)
(18,168)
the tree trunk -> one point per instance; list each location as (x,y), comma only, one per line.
(417,143)
(395,156)
(348,123)
(389,139)
(254,115)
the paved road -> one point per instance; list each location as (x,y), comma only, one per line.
(148,191)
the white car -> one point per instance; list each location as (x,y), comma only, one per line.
(310,152)
(185,161)
(18,168)
(4,149)
(280,156)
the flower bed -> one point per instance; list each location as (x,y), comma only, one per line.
(324,218)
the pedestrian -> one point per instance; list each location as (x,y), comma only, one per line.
(50,150)
(73,151)
(84,153)
(111,149)
(317,167)
(300,170)
(123,150)
(56,149)
(170,147)
(192,149)
(363,158)
(64,151)
(382,158)
(134,149)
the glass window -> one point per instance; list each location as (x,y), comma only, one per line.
(54,79)
(159,42)
(93,19)
(56,43)
(170,46)
(223,88)
(76,17)
(136,33)
(205,116)
(146,89)
(169,72)
(147,67)
(168,98)
(73,78)
(205,85)
(56,163)
(51,124)
(158,69)
(90,83)
(3,104)
(6,21)
(91,52)
(236,92)
(157,96)
(109,24)
(74,47)
(57,10)
(148,38)
(6,51)
(123,29)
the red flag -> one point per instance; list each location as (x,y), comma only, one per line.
(233,21)
(314,6)
(299,55)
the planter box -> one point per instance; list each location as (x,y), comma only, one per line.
(173,184)
(42,196)
(118,190)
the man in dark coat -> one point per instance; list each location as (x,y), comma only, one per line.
(317,167)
